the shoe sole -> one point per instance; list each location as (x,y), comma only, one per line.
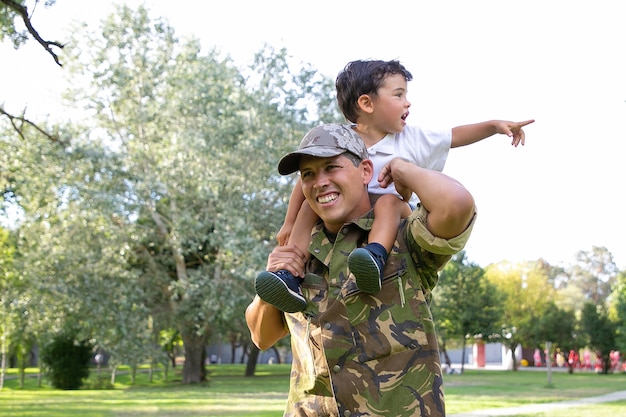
(365,271)
(273,290)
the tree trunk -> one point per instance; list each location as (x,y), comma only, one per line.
(277,354)
(252,359)
(194,371)
(606,364)
(447,360)
(464,344)
(232,352)
(3,363)
(513,356)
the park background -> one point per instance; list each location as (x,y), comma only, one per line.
(140,209)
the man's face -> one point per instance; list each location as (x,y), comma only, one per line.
(335,188)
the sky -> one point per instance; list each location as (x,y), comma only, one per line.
(560,63)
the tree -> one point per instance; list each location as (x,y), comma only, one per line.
(7,287)
(527,292)
(600,332)
(594,273)
(156,210)
(558,326)
(184,131)
(619,303)
(465,303)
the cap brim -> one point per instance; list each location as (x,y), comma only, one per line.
(290,163)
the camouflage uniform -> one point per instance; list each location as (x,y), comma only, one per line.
(357,354)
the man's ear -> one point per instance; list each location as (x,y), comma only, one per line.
(368,170)
(365,103)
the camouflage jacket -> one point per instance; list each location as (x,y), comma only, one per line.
(357,354)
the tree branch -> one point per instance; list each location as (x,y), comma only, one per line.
(23,12)
(18,123)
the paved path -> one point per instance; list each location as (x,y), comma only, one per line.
(537,408)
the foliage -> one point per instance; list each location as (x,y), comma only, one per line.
(182,130)
(66,361)
(7,24)
(600,332)
(527,293)
(594,272)
(557,326)
(465,303)
(619,297)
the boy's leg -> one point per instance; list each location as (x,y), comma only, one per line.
(281,288)
(367,263)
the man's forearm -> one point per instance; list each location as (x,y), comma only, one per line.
(266,323)
(449,203)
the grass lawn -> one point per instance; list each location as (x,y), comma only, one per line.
(230,394)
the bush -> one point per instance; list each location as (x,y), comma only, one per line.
(66,361)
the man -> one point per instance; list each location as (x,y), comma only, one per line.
(355,353)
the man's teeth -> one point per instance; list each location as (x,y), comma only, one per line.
(327,198)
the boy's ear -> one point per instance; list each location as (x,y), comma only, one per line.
(365,103)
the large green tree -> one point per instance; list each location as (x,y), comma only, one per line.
(527,292)
(600,332)
(157,205)
(465,304)
(195,142)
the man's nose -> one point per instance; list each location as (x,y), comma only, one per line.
(321,180)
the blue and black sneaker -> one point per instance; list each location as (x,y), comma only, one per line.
(281,289)
(367,268)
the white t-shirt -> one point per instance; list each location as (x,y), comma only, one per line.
(425,148)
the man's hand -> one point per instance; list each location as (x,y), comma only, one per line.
(287,257)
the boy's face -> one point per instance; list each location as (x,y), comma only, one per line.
(391,107)
(335,189)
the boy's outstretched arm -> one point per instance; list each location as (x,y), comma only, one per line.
(468,134)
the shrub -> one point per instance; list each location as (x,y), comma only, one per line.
(66,361)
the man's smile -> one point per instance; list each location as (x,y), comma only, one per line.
(327,198)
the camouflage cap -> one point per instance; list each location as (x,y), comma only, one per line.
(324,141)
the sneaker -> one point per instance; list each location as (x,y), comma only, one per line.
(366,268)
(281,289)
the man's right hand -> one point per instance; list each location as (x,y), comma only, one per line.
(287,257)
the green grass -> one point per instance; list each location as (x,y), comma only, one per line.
(481,389)
(228,393)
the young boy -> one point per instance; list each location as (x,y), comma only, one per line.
(372,95)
